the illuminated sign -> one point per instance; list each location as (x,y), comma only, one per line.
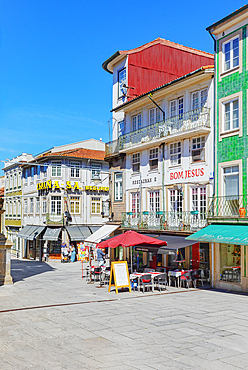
(186,174)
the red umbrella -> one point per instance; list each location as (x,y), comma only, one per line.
(130,239)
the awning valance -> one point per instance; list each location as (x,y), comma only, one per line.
(226,234)
(78,233)
(52,233)
(101,233)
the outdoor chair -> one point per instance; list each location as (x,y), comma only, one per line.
(146,281)
(97,273)
(162,282)
(197,275)
(186,278)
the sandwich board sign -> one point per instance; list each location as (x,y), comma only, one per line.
(119,276)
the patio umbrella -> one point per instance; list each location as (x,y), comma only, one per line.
(131,239)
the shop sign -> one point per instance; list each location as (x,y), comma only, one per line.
(50,185)
(186,174)
(144,181)
(97,188)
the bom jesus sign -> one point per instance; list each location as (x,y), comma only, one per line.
(186,174)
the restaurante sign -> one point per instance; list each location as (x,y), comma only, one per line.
(187,174)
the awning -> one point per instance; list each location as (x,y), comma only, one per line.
(175,242)
(78,233)
(101,233)
(93,229)
(226,234)
(52,233)
(35,232)
(26,231)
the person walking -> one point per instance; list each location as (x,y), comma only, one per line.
(73,253)
(100,257)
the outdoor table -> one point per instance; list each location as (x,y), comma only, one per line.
(139,275)
(177,275)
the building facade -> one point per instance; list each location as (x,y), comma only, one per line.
(227,210)
(13,201)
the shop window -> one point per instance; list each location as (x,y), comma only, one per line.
(154,115)
(74,205)
(153,159)
(118,186)
(230,263)
(136,162)
(56,205)
(96,205)
(230,50)
(175,154)
(75,166)
(136,122)
(198,149)
(56,169)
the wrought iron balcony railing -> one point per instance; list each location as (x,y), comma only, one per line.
(167,220)
(52,219)
(231,206)
(183,122)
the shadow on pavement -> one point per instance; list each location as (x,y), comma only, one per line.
(22,269)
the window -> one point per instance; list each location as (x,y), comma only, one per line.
(95,170)
(176,201)
(135,203)
(153,159)
(25,206)
(176,107)
(38,172)
(74,205)
(32,173)
(31,205)
(44,206)
(136,162)
(14,208)
(19,208)
(199,200)
(121,127)
(55,205)
(175,154)
(96,205)
(37,205)
(6,209)
(19,179)
(230,256)
(136,122)
(154,204)
(154,115)
(122,80)
(56,168)
(75,166)
(7,182)
(231,180)
(199,99)
(15,180)
(230,50)
(10,182)
(198,149)
(118,186)
(231,115)
(44,170)
(10,209)
(26,176)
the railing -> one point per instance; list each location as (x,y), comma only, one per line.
(186,121)
(167,220)
(52,219)
(228,206)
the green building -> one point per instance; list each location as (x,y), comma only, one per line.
(228,209)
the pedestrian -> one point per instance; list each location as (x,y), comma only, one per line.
(73,253)
(100,257)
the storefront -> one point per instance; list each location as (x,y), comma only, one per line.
(228,249)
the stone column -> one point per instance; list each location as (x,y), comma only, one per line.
(5,261)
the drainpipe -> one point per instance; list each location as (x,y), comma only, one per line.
(163,179)
(212,261)
(150,97)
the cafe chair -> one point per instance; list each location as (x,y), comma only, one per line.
(186,278)
(97,273)
(197,275)
(146,282)
(162,282)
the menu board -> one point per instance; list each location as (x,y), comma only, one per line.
(119,276)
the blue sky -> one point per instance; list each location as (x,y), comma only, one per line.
(53,89)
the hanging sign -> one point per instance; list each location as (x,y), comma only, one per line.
(119,276)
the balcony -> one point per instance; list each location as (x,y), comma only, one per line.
(52,219)
(162,131)
(232,208)
(167,220)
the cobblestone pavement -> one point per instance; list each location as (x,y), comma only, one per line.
(51,319)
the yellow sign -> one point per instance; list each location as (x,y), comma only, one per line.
(55,185)
(97,188)
(119,276)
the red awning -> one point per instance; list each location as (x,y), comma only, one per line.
(131,239)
